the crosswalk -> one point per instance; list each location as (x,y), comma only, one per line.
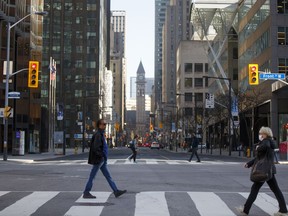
(127,162)
(146,203)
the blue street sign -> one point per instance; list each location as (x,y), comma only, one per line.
(272,76)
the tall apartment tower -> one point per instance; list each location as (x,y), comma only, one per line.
(118,66)
(76,35)
(160,10)
(176,28)
(140,101)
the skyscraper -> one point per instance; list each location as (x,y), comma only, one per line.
(76,36)
(160,10)
(118,65)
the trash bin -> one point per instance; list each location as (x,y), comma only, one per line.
(283,150)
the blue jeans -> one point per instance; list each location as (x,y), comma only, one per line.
(103,167)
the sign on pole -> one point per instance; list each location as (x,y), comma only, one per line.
(272,76)
(14,95)
(5,67)
(209,101)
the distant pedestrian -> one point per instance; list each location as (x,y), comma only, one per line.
(264,149)
(98,155)
(133,147)
(207,146)
(194,148)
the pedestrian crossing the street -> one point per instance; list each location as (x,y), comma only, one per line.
(146,203)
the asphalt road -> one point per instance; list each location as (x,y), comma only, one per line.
(161,183)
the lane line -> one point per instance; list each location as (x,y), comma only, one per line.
(209,204)
(3,192)
(151,203)
(29,204)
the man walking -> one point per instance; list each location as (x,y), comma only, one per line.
(133,147)
(194,148)
(98,155)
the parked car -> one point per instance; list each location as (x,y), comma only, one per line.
(155,145)
(147,144)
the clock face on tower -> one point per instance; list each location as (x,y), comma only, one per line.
(141,77)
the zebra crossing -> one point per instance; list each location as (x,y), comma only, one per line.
(126,162)
(146,203)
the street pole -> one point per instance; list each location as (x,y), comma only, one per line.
(230,119)
(6,94)
(5,120)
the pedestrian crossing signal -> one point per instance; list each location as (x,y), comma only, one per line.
(253,74)
(33,74)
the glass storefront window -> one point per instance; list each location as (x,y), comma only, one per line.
(283,127)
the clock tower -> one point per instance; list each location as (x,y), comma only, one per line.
(140,101)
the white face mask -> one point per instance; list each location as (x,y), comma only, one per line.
(260,137)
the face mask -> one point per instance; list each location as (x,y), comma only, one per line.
(260,137)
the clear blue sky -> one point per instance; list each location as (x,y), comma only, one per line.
(139,34)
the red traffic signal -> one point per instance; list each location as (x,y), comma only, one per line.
(253,74)
(33,74)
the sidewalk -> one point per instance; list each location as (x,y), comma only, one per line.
(29,158)
(224,153)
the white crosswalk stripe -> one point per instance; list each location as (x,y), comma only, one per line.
(29,204)
(216,206)
(102,197)
(148,203)
(127,162)
(157,204)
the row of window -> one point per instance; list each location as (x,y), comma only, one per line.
(283,65)
(282,6)
(198,67)
(283,35)
(198,82)
(77,6)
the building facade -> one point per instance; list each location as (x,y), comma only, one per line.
(76,35)
(25,45)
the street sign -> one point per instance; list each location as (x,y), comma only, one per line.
(2,113)
(272,76)
(14,95)
(209,102)
(5,67)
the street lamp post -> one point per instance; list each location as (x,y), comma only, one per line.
(229,109)
(9,27)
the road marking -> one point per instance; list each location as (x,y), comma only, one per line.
(209,204)
(101,197)
(3,192)
(265,202)
(156,202)
(29,204)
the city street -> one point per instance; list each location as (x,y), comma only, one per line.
(160,183)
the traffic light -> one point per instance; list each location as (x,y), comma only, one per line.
(7,112)
(253,74)
(33,74)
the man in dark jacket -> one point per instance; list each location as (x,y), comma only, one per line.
(194,147)
(98,155)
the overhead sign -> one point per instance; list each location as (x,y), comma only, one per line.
(272,76)
(209,102)
(14,95)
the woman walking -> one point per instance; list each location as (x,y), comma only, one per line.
(265,148)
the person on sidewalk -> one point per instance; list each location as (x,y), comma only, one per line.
(265,148)
(133,147)
(98,155)
(194,148)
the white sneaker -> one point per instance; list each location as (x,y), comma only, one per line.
(240,210)
(280,214)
